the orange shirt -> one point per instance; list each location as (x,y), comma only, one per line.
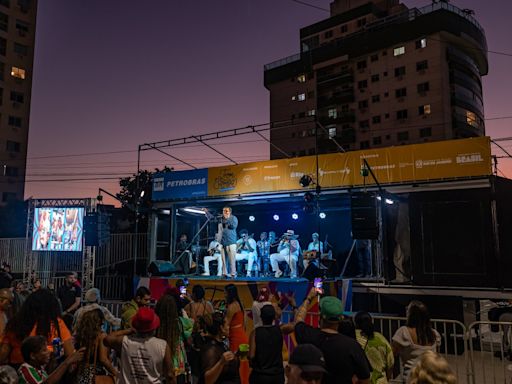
(65,335)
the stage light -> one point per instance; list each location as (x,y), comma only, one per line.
(194,210)
(379,198)
(389,201)
(305,181)
(276,217)
(322,215)
(252,218)
(295,216)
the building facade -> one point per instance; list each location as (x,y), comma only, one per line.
(378,74)
(17,38)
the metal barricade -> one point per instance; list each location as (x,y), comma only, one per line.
(490,351)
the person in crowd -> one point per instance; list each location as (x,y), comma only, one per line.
(347,327)
(214,254)
(70,295)
(39,315)
(432,368)
(376,347)
(5,276)
(306,365)
(229,224)
(219,365)
(176,331)
(246,249)
(92,299)
(6,299)
(265,350)
(264,298)
(199,305)
(416,337)
(90,336)
(344,357)
(8,375)
(144,358)
(263,246)
(235,318)
(20,294)
(183,254)
(142,299)
(36,356)
(37,285)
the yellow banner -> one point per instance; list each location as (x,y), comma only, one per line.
(408,163)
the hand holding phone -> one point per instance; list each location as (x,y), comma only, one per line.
(318,284)
(183,290)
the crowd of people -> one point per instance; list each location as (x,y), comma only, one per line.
(54,337)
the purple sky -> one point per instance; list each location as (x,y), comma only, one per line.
(109,75)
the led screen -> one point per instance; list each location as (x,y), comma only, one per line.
(58,229)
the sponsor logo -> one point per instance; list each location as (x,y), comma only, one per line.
(270,178)
(158,184)
(296,175)
(226,181)
(186,182)
(269,166)
(346,170)
(250,169)
(469,158)
(247,180)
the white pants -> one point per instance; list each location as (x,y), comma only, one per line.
(275,258)
(218,258)
(229,257)
(250,257)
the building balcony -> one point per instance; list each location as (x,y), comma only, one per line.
(341,118)
(468,82)
(466,102)
(334,79)
(336,98)
(461,129)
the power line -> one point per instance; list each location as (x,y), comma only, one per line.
(311,5)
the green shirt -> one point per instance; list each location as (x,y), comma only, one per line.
(379,354)
(127,312)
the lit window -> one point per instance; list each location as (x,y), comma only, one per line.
(471,119)
(301,97)
(424,109)
(332,113)
(422,43)
(332,132)
(398,51)
(18,72)
(311,112)
(301,78)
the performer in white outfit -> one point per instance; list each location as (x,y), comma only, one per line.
(246,249)
(288,251)
(215,252)
(317,246)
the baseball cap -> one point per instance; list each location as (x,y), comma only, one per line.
(308,357)
(145,320)
(331,308)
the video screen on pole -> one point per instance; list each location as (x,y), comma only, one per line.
(58,229)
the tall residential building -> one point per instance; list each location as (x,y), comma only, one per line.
(377,74)
(17,38)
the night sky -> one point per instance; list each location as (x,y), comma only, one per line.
(110,75)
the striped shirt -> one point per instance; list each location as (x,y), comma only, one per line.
(31,375)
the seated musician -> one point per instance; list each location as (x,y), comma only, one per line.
(315,250)
(246,250)
(183,254)
(288,251)
(214,253)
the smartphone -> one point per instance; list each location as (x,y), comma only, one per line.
(318,284)
(183,290)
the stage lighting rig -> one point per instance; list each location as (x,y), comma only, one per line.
(306,181)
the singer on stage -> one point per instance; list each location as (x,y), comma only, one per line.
(229,236)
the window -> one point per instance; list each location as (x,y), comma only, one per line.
(425,132)
(399,51)
(332,113)
(364,124)
(18,73)
(385,74)
(402,136)
(301,78)
(12,146)
(311,112)
(311,94)
(2,70)
(22,27)
(375,98)
(15,121)
(386,116)
(344,108)
(422,65)
(374,58)
(471,119)
(20,49)
(361,22)
(332,132)
(377,140)
(401,92)
(386,94)
(8,196)
(384,53)
(299,97)
(3,46)
(399,71)
(424,109)
(1,96)
(17,97)
(10,171)
(4,21)
(375,78)
(302,114)
(328,34)
(363,104)
(362,84)
(376,120)
(361,64)
(364,144)
(402,114)
(423,87)
(421,43)
(344,28)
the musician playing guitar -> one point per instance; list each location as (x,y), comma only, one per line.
(246,250)
(315,249)
(214,253)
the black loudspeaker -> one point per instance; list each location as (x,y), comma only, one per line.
(91,230)
(364,215)
(311,272)
(161,268)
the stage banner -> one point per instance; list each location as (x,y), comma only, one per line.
(180,185)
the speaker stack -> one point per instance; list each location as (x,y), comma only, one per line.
(364,215)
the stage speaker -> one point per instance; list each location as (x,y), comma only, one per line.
(311,272)
(364,215)
(161,268)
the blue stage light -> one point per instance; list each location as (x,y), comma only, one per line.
(252,218)
(276,217)
(295,216)
(322,215)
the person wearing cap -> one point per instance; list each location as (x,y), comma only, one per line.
(344,357)
(306,365)
(92,299)
(265,350)
(288,251)
(143,357)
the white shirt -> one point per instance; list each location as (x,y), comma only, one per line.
(216,246)
(142,360)
(318,246)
